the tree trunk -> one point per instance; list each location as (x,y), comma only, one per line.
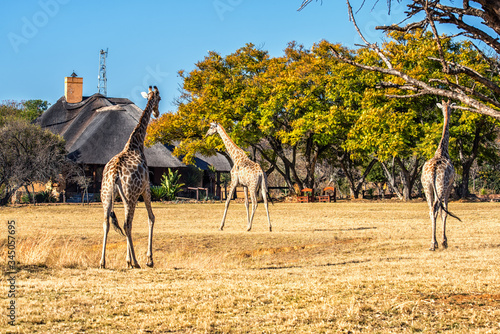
(464,185)
(391,178)
(8,195)
(347,166)
(34,197)
(285,171)
(409,175)
(463,188)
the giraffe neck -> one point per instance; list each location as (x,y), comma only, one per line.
(442,150)
(136,140)
(232,149)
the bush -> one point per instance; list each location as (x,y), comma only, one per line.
(28,154)
(40,197)
(158,193)
(45,197)
(169,187)
(171,184)
(194,176)
(25,199)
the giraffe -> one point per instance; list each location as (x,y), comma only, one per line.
(437,179)
(128,173)
(245,172)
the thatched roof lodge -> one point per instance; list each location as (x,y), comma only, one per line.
(97,127)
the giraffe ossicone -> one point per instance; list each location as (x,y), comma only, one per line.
(244,172)
(127,173)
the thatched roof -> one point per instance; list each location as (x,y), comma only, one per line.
(97,129)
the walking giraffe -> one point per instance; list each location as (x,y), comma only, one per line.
(245,172)
(128,173)
(437,179)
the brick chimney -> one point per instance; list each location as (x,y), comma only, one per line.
(73,87)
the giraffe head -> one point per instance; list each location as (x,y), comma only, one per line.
(154,97)
(213,129)
(446,107)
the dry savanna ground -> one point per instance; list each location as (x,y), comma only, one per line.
(343,267)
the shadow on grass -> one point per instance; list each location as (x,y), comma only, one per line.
(30,268)
(319,265)
(344,229)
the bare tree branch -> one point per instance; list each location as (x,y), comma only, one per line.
(396,96)
(490,13)
(475,101)
(304,4)
(436,37)
(388,84)
(373,46)
(481,108)
(494,64)
(464,108)
(454,68)
(410,26)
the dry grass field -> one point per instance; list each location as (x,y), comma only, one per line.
(343,267)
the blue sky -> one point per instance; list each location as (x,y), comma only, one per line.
(43,41)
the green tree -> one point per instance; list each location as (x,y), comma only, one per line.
(377,177)
(32,109)
(403,132)
(28,110)
(475,137)
(293,110)
(9,110)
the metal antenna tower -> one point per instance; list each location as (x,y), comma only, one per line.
(101,77)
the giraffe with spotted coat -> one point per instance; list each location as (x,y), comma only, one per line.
(244,172)
(127,173)
(437,179)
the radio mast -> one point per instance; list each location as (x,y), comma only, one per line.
(101,77)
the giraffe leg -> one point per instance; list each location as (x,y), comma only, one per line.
(444,215)
(232,189)
(107,212)
(129,216)
(107,202)
(433,213)
(121,191)
(151,221)
(247,204)
(253,195)
(264,197)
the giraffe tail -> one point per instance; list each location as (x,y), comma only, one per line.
(441,205)
(114,222)
(449,212)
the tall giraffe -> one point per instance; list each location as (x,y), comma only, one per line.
(245,172)
(437,179)
(128,173)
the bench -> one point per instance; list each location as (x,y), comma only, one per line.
(329,194)
(306,196)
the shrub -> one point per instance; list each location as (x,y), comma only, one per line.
(25,199)
(169,187)
(171,184)
(158,193)
(40,197)
(45,197)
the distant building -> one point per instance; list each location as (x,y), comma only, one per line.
(97,127)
